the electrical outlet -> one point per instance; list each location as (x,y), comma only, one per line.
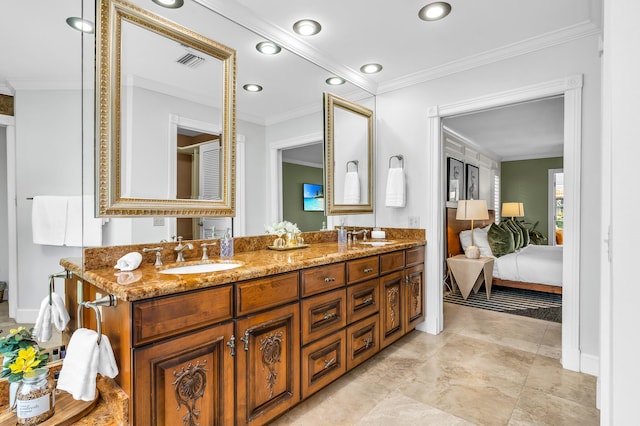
(414,221)
(158,221)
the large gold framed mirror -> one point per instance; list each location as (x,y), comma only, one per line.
(348,138)
(155,155)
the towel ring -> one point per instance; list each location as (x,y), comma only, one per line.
(355,162)
(108,300)
(400,158)
(52,286)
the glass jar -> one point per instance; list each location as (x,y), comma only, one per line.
(35,399)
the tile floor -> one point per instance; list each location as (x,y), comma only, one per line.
(486,368)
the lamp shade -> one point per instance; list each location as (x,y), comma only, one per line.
(512,209)
(472,210)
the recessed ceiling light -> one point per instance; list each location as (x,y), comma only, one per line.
(251,87)
(80,24)
(371,68)
(171,4)
(307,27)
(268,48)
(434,11)
(335,81)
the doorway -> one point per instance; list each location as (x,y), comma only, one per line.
(571,88)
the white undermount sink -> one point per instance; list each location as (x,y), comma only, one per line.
(200,268)
(374,243)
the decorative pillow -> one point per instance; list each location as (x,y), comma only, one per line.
(526,238)
(517,233)
(500,240)
(479,238)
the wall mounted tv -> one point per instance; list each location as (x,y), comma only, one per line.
(313,197)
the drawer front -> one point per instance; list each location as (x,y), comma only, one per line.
(323,314)
(415,256)
(321,279)
(256,295)
(362,300)
(362,341)
(323,362)
(390,262)
(170,316)
(362,269)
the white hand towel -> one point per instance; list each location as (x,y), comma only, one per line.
(80,366)
(395,195)
(49,220)
(107,365)
(129,261)
(59,314)
(352,188)
(82,229)
(42,329)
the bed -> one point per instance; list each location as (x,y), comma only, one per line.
(533,267)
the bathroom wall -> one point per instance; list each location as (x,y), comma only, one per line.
(4,250)
(402,129)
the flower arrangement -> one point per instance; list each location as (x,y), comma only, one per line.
(21,353)
(281,228)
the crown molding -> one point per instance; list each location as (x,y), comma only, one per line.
(553,38)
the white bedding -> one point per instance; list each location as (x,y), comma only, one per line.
(533,264)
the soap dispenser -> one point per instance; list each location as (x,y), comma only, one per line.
(226,244)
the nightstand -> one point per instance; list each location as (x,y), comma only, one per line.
(469,274)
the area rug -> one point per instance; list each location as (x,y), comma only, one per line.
(534,304)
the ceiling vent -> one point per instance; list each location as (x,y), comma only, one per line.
(190,60)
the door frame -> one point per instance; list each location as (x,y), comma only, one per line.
(9,123)
(551,203)
(571,88)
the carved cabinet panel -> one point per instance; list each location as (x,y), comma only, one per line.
(267,364)
(392,308)
(185,381)
(414,297)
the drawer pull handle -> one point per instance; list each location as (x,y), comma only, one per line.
(232,345)
(328,315)
(245,340)
(367,341)
(368,301)
(329,362)
(329,280)
(368,270)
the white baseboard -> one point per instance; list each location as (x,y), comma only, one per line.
(590,364)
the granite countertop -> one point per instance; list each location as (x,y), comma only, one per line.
(146,281)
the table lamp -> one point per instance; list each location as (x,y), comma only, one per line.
(512,210)
(472,210)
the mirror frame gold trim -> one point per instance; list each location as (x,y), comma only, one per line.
(108,133)
(330,102)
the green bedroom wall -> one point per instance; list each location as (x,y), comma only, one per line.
(527,181)
(293,176)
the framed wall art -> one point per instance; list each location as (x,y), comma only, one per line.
(455,179)
(473,182)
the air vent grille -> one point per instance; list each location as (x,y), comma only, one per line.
(190,60)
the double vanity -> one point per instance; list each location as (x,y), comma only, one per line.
(245,344)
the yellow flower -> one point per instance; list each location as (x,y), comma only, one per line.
(16,330)
(25,361)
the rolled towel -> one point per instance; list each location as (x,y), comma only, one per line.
(42,329)
(351,188)
(80,366)
(59,314)
(129,261)
(395,195)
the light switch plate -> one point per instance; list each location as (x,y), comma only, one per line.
(414,221)
(158,221)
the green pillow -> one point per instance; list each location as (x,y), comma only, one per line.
(517,233)
(500,240)
(525,234)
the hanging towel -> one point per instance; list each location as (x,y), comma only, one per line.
(395,196)
(49,219)
(129,261)
(83,229)
(352,188)
(84,360)
(52,312)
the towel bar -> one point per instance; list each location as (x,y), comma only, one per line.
(400,158)
(108,300)
(355,162)
(64,274)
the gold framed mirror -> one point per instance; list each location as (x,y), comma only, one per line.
(137,154)
(348,138)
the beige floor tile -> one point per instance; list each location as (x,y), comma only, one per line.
(536,407)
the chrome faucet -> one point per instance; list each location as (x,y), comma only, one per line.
(204,246)
(158,251)
(356,233)
(180,248)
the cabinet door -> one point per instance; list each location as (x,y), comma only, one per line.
(362,341)
(267,364)
(187,380)
(392,308)
(323,314)
(414,297)
(362,300)
(323,362)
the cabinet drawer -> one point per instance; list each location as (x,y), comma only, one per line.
(321,279)
(362,341)
(323,362)
(169,316)
(390,262)
(415,256)
(256,295)
(362,269)
(323,314)
(362,300)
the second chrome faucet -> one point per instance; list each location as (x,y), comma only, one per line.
(180,248)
